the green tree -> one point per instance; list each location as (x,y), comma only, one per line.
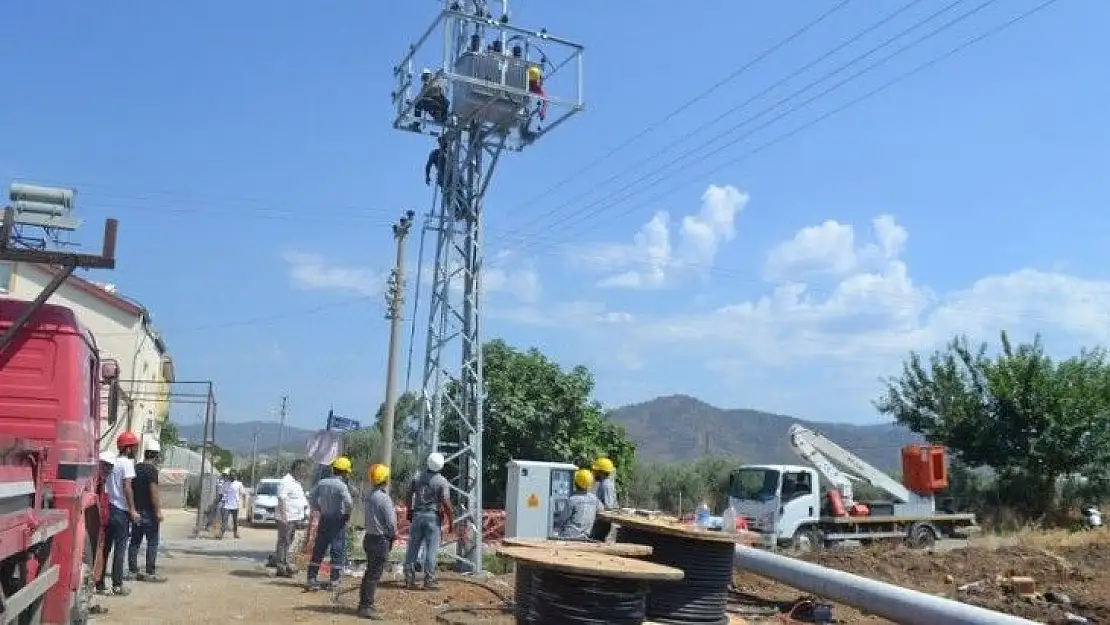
(169,435)
(406,421)
(534,410)
(1031,419)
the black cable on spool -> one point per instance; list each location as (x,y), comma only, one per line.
(579,600)
(702,595)
(522,591)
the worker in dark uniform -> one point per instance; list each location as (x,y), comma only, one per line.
(432,99)
(606,491)
(582,507)
(331,499)
(439,158)
(380,517)
(429,506)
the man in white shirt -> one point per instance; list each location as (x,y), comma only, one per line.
(122,511)
(230,497)
(290,511)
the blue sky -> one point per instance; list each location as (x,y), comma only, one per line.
(247,150)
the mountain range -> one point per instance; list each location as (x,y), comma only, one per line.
(680,428)
(238,438)
(675,428)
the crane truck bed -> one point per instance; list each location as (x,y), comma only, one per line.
(786,505)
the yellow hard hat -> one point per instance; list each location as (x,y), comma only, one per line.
(534,73)
(603,465)
(583,478)
(342,463)
(379,474)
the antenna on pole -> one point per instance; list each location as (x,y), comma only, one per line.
(481,85)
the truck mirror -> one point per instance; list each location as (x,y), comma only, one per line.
(113,403)
(109,370)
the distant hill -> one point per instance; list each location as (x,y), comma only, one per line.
(680,428)
(238,437)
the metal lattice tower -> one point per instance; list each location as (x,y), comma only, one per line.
(479,96)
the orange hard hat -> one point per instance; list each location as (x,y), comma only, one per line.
(127,439)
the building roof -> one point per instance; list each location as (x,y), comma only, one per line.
(99,292)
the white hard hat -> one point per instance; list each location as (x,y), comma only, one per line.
(154,446)
(435,461)
(425,72)
(226,472)
(108,457)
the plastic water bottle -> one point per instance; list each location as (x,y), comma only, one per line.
(728,521)
(701,515)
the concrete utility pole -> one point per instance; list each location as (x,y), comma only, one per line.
(394,300)
(281,431)
(254,454)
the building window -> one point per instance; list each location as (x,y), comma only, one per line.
(5,277)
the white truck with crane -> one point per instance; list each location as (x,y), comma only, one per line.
(784,504)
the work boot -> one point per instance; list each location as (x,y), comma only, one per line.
(431,585)
(153,578)
(370,613)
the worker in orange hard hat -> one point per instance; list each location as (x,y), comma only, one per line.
(380,516)
(122,511)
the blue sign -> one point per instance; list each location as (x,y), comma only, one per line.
(343,424)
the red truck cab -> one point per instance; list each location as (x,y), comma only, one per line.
(50,382)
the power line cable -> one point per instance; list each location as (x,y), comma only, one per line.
(687,136)
(607,201)
(536,241)
(686,105)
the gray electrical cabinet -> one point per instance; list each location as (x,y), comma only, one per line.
(535,493)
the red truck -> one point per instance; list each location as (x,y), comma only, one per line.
(50,389)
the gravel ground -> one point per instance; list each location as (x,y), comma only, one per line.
(214,581)
(221,581)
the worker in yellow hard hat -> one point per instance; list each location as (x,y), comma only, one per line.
(331,500)
(606,490)
(582,507)
(535,87)
(380,516)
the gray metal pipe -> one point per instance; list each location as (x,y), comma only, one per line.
(901,605)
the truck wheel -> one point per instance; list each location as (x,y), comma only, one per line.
(807,539)
(922,536)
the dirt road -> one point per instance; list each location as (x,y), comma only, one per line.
(213,581)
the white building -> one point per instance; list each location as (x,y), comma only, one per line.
(123,333)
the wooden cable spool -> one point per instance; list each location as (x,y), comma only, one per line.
(573,586)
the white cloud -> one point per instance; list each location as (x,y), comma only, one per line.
(653,260)
(312,272)
(874,312)
(503,272)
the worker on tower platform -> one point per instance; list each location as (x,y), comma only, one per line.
(582,507)
(380,516)
(331,499)
(535,87)
(432,99)
(606,490)
(429,507)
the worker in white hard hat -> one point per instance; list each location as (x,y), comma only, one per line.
(432,99)
(429,508)
(582,507)
(149,505)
